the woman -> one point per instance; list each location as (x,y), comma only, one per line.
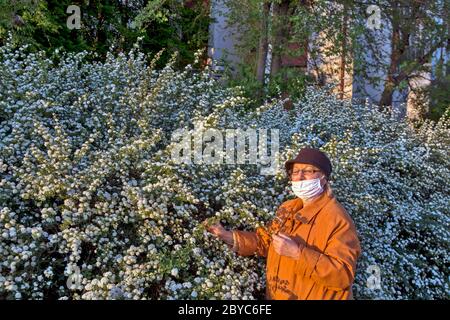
(312,245)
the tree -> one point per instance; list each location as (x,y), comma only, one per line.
(416,32)
(171,24)
(270,56)
(335,40)
(263,42)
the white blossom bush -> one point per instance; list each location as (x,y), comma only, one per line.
(88,183)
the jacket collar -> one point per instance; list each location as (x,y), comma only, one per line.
(305,214)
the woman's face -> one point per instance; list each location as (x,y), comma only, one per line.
(302,171)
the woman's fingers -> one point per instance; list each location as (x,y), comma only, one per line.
(277,240)
(280,240)
(277,243)
(284,236)
(208,227)
(216,229)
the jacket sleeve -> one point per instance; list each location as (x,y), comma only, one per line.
(335,267)
(247,243)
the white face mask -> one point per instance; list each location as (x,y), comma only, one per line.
(307,189)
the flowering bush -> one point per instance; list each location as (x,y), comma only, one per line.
(89,192)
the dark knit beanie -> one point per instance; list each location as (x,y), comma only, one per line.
(313,157)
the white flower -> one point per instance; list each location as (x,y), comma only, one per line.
(48,272)
(174,272)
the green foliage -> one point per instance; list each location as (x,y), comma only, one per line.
(26,19)
(439,93)
(246,80)
(104,24)
(289,81)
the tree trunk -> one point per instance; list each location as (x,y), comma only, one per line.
(343,54)
(390,83)
(263,43)
(447,44)
(280,17)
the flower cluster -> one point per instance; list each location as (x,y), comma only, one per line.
(89,194)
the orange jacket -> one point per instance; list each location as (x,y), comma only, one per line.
(329,247)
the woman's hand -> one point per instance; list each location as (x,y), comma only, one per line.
(285,246)
(220,232)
